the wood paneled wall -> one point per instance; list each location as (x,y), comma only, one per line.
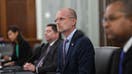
(21,13)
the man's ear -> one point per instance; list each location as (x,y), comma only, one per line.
(74,20)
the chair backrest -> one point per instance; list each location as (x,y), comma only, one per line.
(103,56)
(35,48)
(36,52)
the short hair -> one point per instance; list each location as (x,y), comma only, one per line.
(126,6)
(53,26)
(73,12)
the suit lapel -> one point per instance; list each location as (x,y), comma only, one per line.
(51,50)
(53,47)
(44,50)
(71,49)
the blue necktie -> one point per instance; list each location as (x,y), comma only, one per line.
(121,61)
(64,51)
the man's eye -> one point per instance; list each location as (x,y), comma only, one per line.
(62,18)
(112,18)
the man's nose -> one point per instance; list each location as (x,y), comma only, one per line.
(106,24)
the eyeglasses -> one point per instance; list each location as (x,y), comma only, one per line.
(111,18)
(61,19)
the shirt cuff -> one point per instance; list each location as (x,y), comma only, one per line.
(36,70)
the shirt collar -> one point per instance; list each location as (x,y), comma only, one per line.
(127,45)
(52,42)
(71,35)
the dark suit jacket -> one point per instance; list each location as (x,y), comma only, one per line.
(24,53)
(80,56)
(36,53)
(50,61)
(127,62)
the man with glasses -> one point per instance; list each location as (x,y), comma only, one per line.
(118,26)
(76,53)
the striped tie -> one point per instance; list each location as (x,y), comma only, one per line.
(64,51)
(40,63)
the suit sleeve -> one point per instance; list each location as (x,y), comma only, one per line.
(58,70)
(86,57)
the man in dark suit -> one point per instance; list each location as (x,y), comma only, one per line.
(47,62)
(118,26)
(76,53)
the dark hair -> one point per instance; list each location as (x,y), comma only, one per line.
(54,28)
(126,6)
(15,29)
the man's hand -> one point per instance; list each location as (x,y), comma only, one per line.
(29,66)
(9,63)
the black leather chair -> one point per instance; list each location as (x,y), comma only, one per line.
(103,58)
(36,52)
(36,49)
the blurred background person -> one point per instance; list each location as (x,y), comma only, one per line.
(22,49)
(118,27)
(47,62)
